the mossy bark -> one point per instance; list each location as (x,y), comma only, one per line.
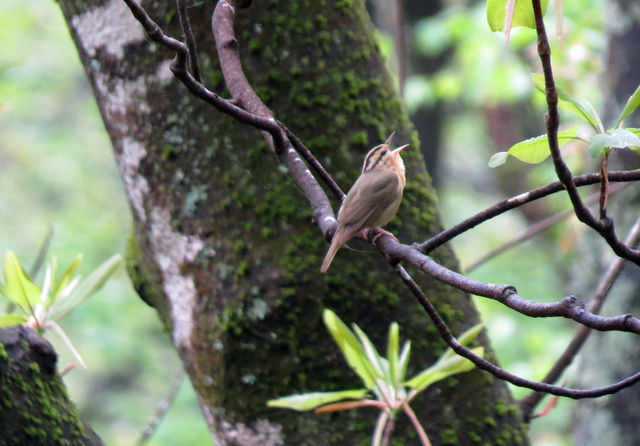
(224,247)
(34,407)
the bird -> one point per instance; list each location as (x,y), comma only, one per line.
(374,198)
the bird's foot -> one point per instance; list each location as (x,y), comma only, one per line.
(373,234)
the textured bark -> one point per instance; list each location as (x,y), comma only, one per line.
(615,420)
(224,248)
(34,407)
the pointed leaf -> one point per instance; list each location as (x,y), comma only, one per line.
(393,347)
(632,104)
(351,348)
(536,150)
(566,102)
(465,339)
(89,286)
(522,14)
(618,138)
(309,401)
(372,354)
(9,320)
(66,277)
(403,362)
(18,287)
(442,370)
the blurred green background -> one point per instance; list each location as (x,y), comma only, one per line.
(57,168)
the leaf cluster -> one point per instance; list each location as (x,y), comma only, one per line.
(382,376)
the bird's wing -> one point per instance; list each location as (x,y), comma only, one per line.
(370,194)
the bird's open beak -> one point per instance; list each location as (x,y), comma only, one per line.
(397,151)
(388,143)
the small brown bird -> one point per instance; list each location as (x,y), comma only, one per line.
(373,199)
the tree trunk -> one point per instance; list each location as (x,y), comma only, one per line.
(34,408)
(224,247)
(615,420)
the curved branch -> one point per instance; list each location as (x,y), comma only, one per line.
(569,307)
(511,203)
(605,226)
(529,402)
(498,372)
(246,107)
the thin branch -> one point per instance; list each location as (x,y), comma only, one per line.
(511,203)
(498,372)
(253,112)
(243,94)
(604,186)
(530,402)
(323,213)
(533,230)
(605,226)
(424,439)
(189,40)
(313,162)
(569,307)
(162,408)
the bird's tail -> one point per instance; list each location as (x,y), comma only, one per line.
(331,253)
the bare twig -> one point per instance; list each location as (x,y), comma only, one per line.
(533,230)
(530,402)
(189,40)
(605,226)
(484,364)
(511,203)
(604,186)
(246,107)
(162,408)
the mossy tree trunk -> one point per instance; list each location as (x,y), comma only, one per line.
(224,247)
(34,407)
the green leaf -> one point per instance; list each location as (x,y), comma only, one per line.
(403,362)
(522,16)
(309,401)
(59,285)
(632,104)
(9,320)
(89,286)
(498,159)
(465,338)
(351,348)
(393,347)
(566,102)
(18,287)
(535,150)
(637,133)
(618,138)
(442,369)
(373,357)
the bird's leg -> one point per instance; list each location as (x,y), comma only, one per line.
(377,233)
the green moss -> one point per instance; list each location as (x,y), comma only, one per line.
(449,436)
(36,406)
(3,353)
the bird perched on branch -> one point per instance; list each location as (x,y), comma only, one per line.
(373,199)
